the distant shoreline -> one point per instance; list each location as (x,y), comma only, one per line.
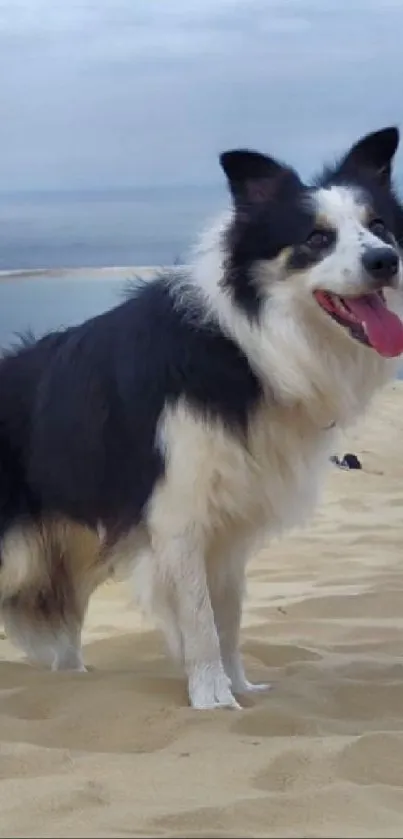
(117,272)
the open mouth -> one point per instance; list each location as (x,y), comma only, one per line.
(368,320)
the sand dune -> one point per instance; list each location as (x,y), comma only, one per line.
(117,753)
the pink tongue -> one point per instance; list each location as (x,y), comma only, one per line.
(384,329)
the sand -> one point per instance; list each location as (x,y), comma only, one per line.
(116,752)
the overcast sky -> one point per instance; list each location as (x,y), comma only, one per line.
(98,93)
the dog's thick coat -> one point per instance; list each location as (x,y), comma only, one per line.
(172,434)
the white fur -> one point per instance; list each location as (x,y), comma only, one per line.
(344,210)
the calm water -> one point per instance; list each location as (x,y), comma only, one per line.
(39,304)
(119,227)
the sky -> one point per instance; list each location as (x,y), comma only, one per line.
(116,93)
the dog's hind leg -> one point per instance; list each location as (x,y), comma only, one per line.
(226,578)
(43,609)
(33,624)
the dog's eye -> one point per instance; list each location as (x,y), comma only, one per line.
(377,227)
(320,239)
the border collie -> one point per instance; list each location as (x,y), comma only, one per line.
(172,434)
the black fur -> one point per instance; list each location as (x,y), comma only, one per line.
(79,409)
(368,166)
(260,231)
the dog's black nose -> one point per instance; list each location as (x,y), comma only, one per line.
(382,264)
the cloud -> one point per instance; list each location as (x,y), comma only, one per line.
(116,92)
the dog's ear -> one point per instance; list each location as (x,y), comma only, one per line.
(254,178)
(374,153)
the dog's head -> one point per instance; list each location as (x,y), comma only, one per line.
(331,247)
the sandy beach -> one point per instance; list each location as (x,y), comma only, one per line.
(117,752)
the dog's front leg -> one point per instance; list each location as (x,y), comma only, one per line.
(181,569)
(226,577)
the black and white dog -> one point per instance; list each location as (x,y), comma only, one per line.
(173,433)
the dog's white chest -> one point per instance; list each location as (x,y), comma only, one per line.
(282,470)
(215,478)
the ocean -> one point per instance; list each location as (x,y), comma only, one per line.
(93,228)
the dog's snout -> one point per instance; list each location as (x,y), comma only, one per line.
(381,264)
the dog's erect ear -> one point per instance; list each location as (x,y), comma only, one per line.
(374,153)
(254,178)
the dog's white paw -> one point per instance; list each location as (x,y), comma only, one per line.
(239,682)
(69,660)
(249,687)
(209,687)
(80,668)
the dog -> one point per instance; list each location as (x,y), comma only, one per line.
(169,437)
